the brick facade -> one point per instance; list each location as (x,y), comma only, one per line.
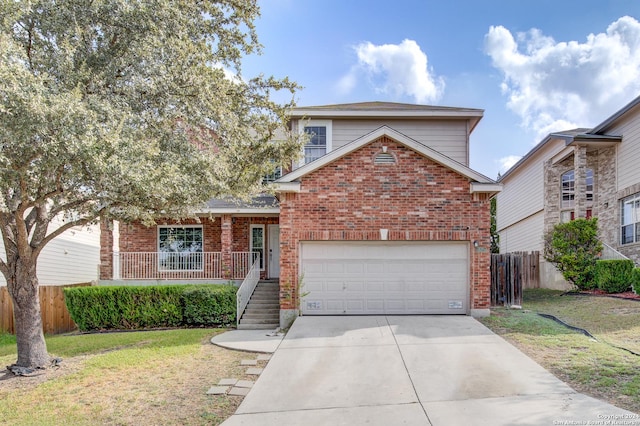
(416,199)
(106,249)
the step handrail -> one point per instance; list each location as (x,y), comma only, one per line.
(247,288)
(609,253)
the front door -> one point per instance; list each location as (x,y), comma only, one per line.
(274,251)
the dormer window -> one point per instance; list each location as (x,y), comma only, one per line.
(319,142)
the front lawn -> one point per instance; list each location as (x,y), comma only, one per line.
(594,367)
(131,378)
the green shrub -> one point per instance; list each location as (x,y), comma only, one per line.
(635,280)
(573,247)
(124,307)
(209,305)
(140,307)
(614,276)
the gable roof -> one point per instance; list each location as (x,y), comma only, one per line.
(580,136)
(284,183)
(388,110)
(618,114)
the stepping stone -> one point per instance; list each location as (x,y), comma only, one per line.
(264,357)
(227,382)
(239,391)
(249,362)
(217,390)
(254,371)
(244,384)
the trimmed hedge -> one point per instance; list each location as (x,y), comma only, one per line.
(614,276)
(209,305)
(140,307)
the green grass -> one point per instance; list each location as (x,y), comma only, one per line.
(123,378)
(81,344)
(609,319)
(594,367)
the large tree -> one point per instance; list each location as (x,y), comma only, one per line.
(123,109)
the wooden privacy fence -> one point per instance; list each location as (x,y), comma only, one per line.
(510,274)
(55,316)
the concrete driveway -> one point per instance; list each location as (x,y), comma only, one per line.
(409,370)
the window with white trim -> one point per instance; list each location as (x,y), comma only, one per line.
(319,143)
(568,182)
(180,248)
(630,220)
(256,244)
(272,177)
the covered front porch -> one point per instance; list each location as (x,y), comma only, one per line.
(211,248)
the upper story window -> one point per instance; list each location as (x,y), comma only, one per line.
(319,142)
(568,181)
(272,177)
(630,220)
(317,145)
(180,248)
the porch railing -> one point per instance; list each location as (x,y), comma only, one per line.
(179,266)
(247,287)
(609,253)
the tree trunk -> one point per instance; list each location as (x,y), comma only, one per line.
(23,288)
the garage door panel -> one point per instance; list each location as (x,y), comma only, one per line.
(354,268)
(354,286)
(375,286)
(356,306)
(375,304)
(333,286)
(384,278)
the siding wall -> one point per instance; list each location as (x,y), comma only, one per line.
(523,191)
(628,179)
(629,150)
(71,258)
(526,235)
(447,137)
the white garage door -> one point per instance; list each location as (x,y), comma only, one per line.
(360,278)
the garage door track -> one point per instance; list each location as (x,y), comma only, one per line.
(411,370)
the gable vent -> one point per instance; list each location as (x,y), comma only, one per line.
(384,158)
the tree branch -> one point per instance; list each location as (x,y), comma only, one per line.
(61,229)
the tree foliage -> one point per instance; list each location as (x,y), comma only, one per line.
(495,237)
(574,248)
(124,110)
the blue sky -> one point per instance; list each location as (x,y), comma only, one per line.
(535,67)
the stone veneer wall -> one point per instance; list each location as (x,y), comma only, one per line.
(608,205)
(415,199)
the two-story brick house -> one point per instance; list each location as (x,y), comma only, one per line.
(382,216)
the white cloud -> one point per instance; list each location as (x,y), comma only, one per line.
(554,86)
(505,163)
(397,70)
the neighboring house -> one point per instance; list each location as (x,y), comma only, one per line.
(382,216)
(576,174)
(71,258)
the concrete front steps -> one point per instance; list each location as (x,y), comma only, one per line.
(263,310)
